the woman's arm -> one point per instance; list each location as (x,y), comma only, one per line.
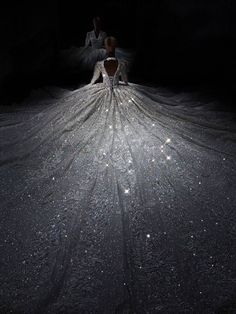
(96,73)
(123,73)
(87,40)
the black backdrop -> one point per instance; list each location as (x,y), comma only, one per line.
(176,41)
(184,39)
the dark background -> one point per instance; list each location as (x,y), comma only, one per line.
(178,43)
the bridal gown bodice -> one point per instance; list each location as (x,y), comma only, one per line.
(110,80)
(117,198)
(95,41)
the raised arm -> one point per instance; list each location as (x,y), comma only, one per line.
(96,73)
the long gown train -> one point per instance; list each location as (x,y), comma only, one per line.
(117,199)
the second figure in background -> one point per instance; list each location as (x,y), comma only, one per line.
(85,57)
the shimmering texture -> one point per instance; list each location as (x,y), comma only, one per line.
(98,220)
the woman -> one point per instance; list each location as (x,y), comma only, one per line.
(86,57)
(93,50)
(117,199)
(96,37)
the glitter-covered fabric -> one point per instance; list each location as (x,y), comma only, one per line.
(116,198)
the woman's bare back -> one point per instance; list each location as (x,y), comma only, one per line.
(111,67)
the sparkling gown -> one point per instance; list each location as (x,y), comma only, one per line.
(86,57)
(116,198)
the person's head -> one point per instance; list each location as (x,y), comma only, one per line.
(97,22)
(110,44)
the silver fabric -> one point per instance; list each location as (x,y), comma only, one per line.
(99,70)
(115,200)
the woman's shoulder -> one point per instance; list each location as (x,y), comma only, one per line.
(90,33)
(99,64)
(122,63)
